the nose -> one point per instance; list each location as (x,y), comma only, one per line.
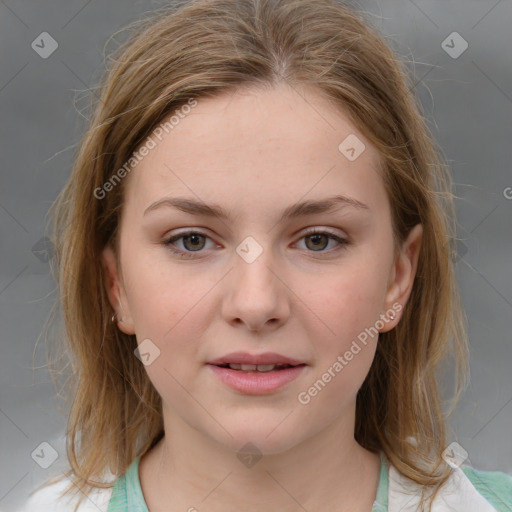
(256,295)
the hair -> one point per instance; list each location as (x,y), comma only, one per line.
(203,48)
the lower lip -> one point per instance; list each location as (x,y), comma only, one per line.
(257,383)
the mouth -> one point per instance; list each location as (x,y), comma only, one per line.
(245,361)
(260,374)
(257,368)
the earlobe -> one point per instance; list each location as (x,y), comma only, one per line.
(116,292)
(403,274)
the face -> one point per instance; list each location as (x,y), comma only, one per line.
(304,284)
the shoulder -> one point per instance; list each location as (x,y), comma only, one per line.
(494,486)
(50,497)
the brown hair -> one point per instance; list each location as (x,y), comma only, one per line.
(202,48)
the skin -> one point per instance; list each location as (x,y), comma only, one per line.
(255,152)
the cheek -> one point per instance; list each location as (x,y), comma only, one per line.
(344,340)
(347,301)
(173,312)
(162,294)
(174,306)
(173,315)
(347,304)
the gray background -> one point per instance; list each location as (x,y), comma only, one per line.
(468,102)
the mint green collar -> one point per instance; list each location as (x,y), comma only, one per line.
(127,493)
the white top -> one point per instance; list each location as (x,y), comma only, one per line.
(457,495)
(47,499)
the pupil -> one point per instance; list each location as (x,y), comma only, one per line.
(193,237)
(316,238)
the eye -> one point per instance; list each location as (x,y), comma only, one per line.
(193,241)
(319,240)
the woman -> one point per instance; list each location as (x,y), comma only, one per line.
(255,265)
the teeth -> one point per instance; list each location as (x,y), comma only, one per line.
(266,367)
(254,367)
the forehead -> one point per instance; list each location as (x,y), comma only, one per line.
(267,143)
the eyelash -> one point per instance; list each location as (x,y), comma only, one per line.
(190,254)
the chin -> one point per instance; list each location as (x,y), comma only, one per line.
(262,437)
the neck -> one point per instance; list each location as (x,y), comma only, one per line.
(328,471)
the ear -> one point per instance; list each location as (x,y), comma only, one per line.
(116,292)
(402,275)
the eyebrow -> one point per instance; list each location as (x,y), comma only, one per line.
(299,209)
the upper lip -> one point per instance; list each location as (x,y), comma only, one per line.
(246,358)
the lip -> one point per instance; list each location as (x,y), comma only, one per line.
(257,383)
(264,358)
